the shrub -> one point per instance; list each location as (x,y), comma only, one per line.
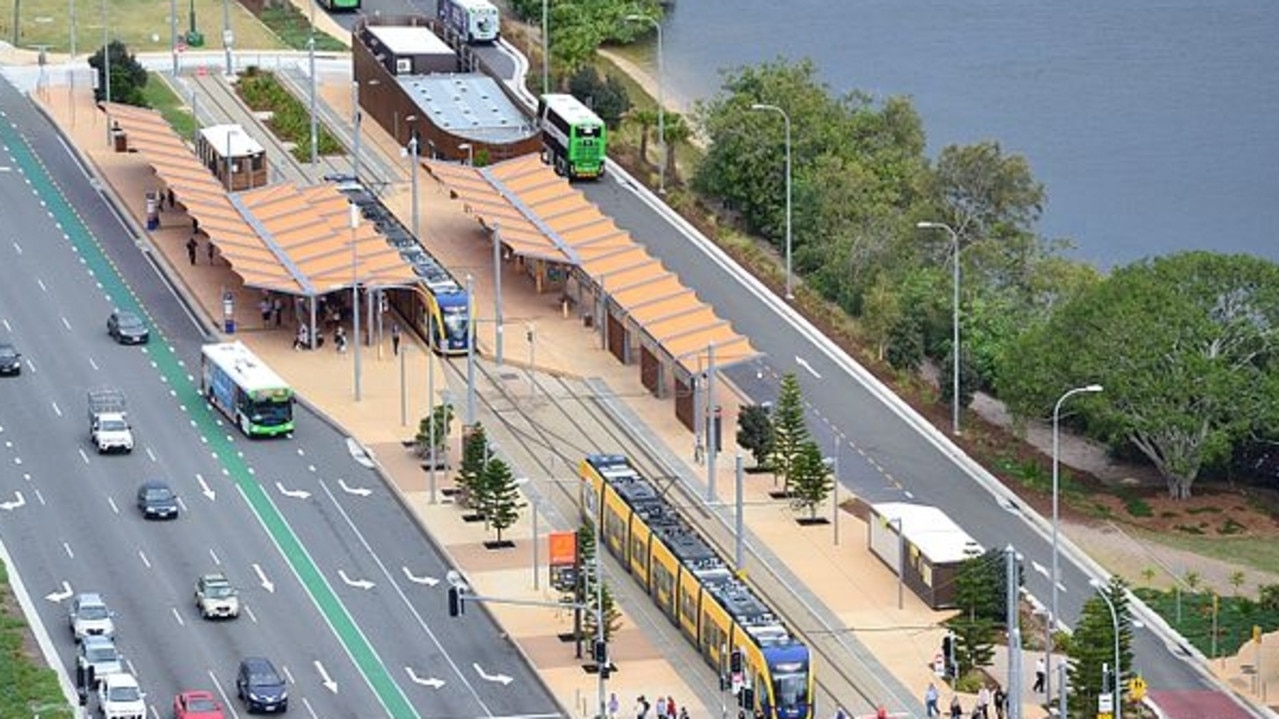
(1230,526)
(1138,507)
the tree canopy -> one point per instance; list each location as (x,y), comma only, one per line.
(128,77)
(1185,347)
(578,27)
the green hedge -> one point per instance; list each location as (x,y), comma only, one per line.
(290,119)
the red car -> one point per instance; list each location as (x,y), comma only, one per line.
(197,705)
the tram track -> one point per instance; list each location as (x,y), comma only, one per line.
(560,420)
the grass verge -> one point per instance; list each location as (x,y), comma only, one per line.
(1191,614)
(1259,553)
(160,96)
(294,29)
(143,25)
(26,686)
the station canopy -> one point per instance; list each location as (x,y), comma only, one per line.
(539,215)
(280,237)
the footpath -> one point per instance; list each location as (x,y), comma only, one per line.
(853,585)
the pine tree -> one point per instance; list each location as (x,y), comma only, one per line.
(612,615)
(501,496)
(974,642)
(475,451)
(810,478)
(981,587)
(1093,645)
(789,428)
(755,432)
(442,417)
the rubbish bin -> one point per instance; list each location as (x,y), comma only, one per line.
(119,140)
(230,326)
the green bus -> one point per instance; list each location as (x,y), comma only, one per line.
(573,137)
(248,392)
(341,5)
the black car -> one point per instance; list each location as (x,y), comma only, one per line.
(156,500)
(10,359)
(260,686)
(127,328)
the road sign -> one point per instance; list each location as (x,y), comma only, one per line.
(182,46)
(1137,688)
(1105,703)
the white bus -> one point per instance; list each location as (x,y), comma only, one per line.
(247,391)
(474,20)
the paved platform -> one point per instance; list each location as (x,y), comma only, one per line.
(852,584)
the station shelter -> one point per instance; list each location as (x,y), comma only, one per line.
(236,159)
(643,313)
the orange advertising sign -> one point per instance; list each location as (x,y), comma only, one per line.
(563,549)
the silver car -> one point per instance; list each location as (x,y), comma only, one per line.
(90,617)
(100,654)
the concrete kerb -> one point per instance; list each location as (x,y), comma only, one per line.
(921,425)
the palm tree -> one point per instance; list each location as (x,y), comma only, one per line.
(677,131)
(645,117)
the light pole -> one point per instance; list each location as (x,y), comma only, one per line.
(355,296)
(71,29)
(470,153)
(413,153)
(470,353)
(954,309)
(546,52)
(1115,673)
(497,293)
(661,102)
(315,130)
(173,34)
(790,294)
(1053,579)
(230,168)
(227,36)
(355,122)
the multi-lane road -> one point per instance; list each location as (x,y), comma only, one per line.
(339,583)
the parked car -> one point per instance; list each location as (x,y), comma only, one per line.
(119,697)
(90,617)
(10,360)
(127,328)
(100,654)
(216,597)
(197,704)
(156,500)
(260,686)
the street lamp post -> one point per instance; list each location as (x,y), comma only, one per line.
(227,36)
(355,121)
(790,294)
(1115,672)
(1053,579)
(315,130)
(413,153)
(546,56)
(954,336)
(497,293)
(355,296)
(661,102)
(230,168)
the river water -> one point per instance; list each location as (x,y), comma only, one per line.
(1153,125)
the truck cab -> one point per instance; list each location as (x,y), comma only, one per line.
(108,421)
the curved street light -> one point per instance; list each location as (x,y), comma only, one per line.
(1115,673)
(954,339)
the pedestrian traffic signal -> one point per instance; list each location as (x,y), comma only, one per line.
(601,653)
(735,662)
(456,607)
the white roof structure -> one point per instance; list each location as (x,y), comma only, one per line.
(571,109)
(931,531)
(242,144)
(245,368)
(468,105)
(410,40)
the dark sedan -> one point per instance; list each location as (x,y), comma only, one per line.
(10,359)
(156,500)
(127,328)
(260,686)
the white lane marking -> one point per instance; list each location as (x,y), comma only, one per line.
(19,501)
(17,248)
(7,328)
(267,584)
(804,363)
(357,583)
(40,498)
(204,488)
(113,507)
(56,410)
(178,616)
(294,493)
(41,283)
(500,678)
(92,363)
(325,679)
(74,160)
(66,546)
(358,491)
(65,594)
(424,579)
(249,611)
(84,456)
(182,504)
(226,700)
(288,674)
(306,703)
(151,455)
(216,561)
(431,682)
(144,559)
(65,323)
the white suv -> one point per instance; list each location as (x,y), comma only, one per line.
(120,698)
(100,654)
(90,616)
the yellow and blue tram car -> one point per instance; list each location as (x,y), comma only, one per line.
(696,589)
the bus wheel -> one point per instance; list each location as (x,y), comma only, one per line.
(561,166)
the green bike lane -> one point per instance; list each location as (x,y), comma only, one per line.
(174,374)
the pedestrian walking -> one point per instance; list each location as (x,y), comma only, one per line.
(670,707)
(956,711)
(931,697)
(881,712)
(683,713)
(195,226)
(1041,673)
(641,707)
(839,713)
(277,310)
(212,250)
(1001,702)
(395,349)
(265,308)
(613,705)
(300,339)
(983,702)
(339,339)
(192,245)
(172,199)
(661,707)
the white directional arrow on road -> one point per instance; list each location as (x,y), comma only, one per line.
(804,363)
(1039,568)
(360,584)
(10,506)
(56,597)
(431,682)
(501,678)
(267,584)
(358,453)
(427,580)
(294,493)
(204,488)
(359,491)
(325,678)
